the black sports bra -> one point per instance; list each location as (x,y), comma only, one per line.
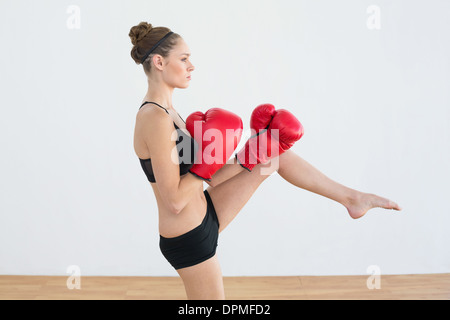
(184,143)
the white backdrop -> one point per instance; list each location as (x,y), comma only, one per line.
(369,80)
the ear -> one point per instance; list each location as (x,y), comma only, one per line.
(158,61)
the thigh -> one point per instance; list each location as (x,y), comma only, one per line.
(203,281)
(228,171)
(230,196)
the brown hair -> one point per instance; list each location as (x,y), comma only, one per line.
(144,37)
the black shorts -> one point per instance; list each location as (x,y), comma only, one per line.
(195,246)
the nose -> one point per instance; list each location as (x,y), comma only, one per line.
(191,68)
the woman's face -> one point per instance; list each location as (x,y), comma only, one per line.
(178,67)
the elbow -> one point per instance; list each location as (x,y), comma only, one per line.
(211,183)
(175,207)
(171,201)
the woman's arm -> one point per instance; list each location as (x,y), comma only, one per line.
(160,138)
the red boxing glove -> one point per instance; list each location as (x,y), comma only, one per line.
(275,131)
(217,132)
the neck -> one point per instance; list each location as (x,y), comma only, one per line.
(159,92)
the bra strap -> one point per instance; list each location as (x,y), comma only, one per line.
(156,104)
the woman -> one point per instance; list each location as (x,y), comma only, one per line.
(188,236)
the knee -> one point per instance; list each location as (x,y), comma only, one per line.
(285,161)
(276,164)
(286,157)
(270,167)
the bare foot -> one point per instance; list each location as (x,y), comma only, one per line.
(363,202)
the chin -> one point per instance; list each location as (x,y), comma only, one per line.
(185,86)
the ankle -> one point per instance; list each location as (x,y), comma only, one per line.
(352,198)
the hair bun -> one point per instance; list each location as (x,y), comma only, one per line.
(137,33)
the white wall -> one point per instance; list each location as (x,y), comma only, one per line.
(375,105)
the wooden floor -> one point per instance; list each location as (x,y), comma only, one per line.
(399,287)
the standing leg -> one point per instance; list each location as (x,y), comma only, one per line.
(203,281)
(301,174)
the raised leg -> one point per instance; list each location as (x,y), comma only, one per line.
(301,174)
(231,195)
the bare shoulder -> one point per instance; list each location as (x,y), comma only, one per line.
(148,111)
(154,126)
(152,118)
